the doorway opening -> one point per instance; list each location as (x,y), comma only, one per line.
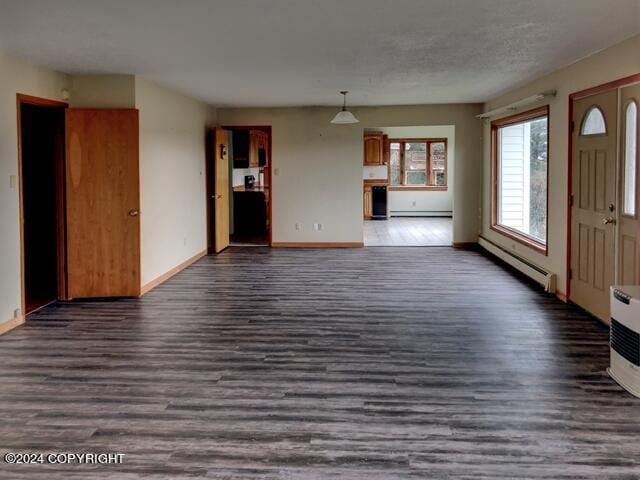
(41,147)
(239,189)
(603,247)
(408,185)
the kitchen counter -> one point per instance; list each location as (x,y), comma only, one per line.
(255,188)
(371,182)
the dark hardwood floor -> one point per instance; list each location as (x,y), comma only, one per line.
(376,363)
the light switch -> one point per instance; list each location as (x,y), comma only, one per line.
(13,181)
(276,172)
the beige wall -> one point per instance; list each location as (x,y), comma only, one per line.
(172,177)
(613,63)
(16,77)
(103,91)
(320,166)
(172,164)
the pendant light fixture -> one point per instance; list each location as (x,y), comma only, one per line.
(344,116)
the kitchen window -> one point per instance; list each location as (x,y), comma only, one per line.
(520,151)
(418,164)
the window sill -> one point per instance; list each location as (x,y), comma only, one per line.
(418,188)
(520,238)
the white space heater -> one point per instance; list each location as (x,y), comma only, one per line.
(625,337)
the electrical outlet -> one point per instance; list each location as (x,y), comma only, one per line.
(413,204)
(317,227)
(13,181)
(276,172)
(298,226)
(16,313)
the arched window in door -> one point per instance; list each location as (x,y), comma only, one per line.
(593,122)
(630,158)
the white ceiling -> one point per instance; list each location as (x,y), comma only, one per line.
(302,52)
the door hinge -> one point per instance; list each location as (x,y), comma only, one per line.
(571,200)
(572,126)
(571,274)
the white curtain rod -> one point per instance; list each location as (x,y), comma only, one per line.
(517,105)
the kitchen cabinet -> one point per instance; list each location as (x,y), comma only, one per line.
(386,150)
(258,149)
(373,148)
(368,204)
(367,195)
(241,147)
(249,212)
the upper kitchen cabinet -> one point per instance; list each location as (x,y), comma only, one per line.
(386,150)
(241,148)
(373,148)
(259,150)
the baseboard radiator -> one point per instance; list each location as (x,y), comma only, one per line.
(419,213)
(536,273)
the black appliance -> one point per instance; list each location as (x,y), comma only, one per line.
(240,142)
(379,202)
(249,181)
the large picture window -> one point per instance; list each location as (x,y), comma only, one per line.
(418,163)
(520,149)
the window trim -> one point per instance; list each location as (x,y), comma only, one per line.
(428,187)
(511,233)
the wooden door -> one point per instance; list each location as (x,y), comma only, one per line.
(103,201)
(629,225)
(594,202)
(221,188)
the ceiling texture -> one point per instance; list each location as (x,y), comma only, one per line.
(303,52)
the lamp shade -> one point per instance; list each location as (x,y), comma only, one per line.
(344,117)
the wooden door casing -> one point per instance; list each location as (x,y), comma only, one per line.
(594,202)
(103,202)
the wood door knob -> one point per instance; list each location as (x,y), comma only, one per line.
(134,213)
